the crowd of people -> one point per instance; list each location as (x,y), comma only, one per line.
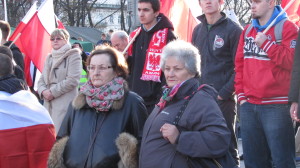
(148,99)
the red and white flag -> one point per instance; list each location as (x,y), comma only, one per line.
(34,41)
(27,132)
(293,11)
(182,14)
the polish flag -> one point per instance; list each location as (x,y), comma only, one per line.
(293,11)
(27,132)
(34,40)
(182,14)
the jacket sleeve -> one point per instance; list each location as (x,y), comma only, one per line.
(18,57)
(239,66)
(195,32)
(42,81)
(295,80)
(138,116)
(282,54)
(228,89)
(171,35)
(210,136)
(66,125)
(73,76)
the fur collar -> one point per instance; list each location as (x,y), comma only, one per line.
(127,146)
(56,155)
(80,100)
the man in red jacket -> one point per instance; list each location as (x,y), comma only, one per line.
(263,68)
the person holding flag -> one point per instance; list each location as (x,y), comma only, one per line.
(155,32)
(17,55)
(263,66)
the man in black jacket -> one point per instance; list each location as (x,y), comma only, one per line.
(294,92)
(17,55)
(18,72)
(155,32)
(217,38)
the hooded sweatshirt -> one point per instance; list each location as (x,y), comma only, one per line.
(263,73)
(149,90)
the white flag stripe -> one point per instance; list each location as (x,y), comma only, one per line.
(46,15)
(30,13)
(22,106)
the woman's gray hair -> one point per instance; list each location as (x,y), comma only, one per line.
(61,32)
(184,52)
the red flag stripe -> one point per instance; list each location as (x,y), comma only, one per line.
(32,151)
(293,11)
(180,14)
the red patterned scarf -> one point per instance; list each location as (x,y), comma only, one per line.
(103,97)
(168,94)
(152,69)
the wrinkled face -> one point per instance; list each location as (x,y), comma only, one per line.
(146,14)
(175,72)
(100,70)
(210,6)
(118,43)
(57,42)
(259,8)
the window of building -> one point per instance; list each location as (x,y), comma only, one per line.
(111,19)
(119,19)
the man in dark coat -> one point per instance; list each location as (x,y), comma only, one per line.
(217,38)
(18,72)
(144,54)
(295,84)
(17,55)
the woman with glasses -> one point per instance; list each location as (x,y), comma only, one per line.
(60,77)
(103,109)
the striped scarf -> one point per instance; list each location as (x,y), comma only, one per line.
(11,84)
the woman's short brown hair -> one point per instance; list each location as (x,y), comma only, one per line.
(61,32)
(116,58)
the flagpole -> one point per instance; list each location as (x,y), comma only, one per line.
(14,40)
(5,11)
(131,41)
(274,20)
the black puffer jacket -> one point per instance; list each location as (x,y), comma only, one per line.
(149,90)
(80,125)
(18,56)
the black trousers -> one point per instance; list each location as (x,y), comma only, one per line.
(228,108)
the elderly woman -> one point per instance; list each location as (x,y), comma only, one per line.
(103,109)
(60,77)
(181,128)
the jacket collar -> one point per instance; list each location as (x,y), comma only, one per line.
(203,20)
(187,88)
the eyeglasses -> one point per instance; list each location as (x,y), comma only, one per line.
(92,68)
(56,39)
